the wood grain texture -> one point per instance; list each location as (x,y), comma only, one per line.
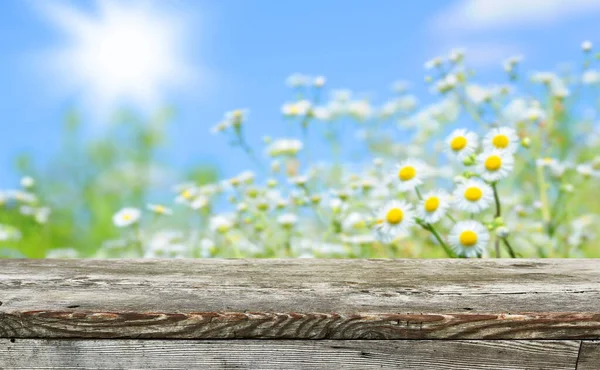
(589,356)
(300,299)
(33,354)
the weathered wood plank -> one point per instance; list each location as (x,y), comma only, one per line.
(281,354)
(301,299)
(589,356)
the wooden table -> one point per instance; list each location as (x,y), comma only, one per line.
(306,313)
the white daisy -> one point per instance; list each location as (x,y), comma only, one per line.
(586,46)
(22,196)
(160,209)
(199,202)
(461,143)
(263,204)
(27,182)
(468,238)
(287,220)
(319,81)
(395,218)
(587,170)
(297,80)
(354,221)
(433,206)
(246,177)
(337,205)
(558,169)
(502,139)
(186,194)
(42,214)
(220,223)
(220,127)
(545,162)
(126,217)
(494,165)
(410,174)
(473,196)
(299,180)
(284,147)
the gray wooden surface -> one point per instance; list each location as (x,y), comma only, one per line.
(281,354)
(166,314)
(589,356)
(300,299)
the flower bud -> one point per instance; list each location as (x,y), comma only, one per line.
(503,232)
(252,192)
(469,161)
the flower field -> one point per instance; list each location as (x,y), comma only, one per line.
(472,170)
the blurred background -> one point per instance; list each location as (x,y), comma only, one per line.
(108,103)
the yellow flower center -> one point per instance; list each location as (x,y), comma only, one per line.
(186,194)
(432,204)
(468,238)
(127,217)
(394,216)
(493,163)
(407,173)
(500,141)
(473,194)
(458,143)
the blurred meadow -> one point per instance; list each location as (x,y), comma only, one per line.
(324,129)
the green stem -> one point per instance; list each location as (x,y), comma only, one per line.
(543,195)
(288,244)
(246,148)
(450,217)
(497,200)
(418,193)
(497,247)
(509,248)
(437,236)
(304,126)
(551,227)
(138,240)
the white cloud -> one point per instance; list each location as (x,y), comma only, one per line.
(472,15)
(483,26)
(120,53)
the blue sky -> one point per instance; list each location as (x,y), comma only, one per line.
(237,53)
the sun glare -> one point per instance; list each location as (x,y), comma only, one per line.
(122,53)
